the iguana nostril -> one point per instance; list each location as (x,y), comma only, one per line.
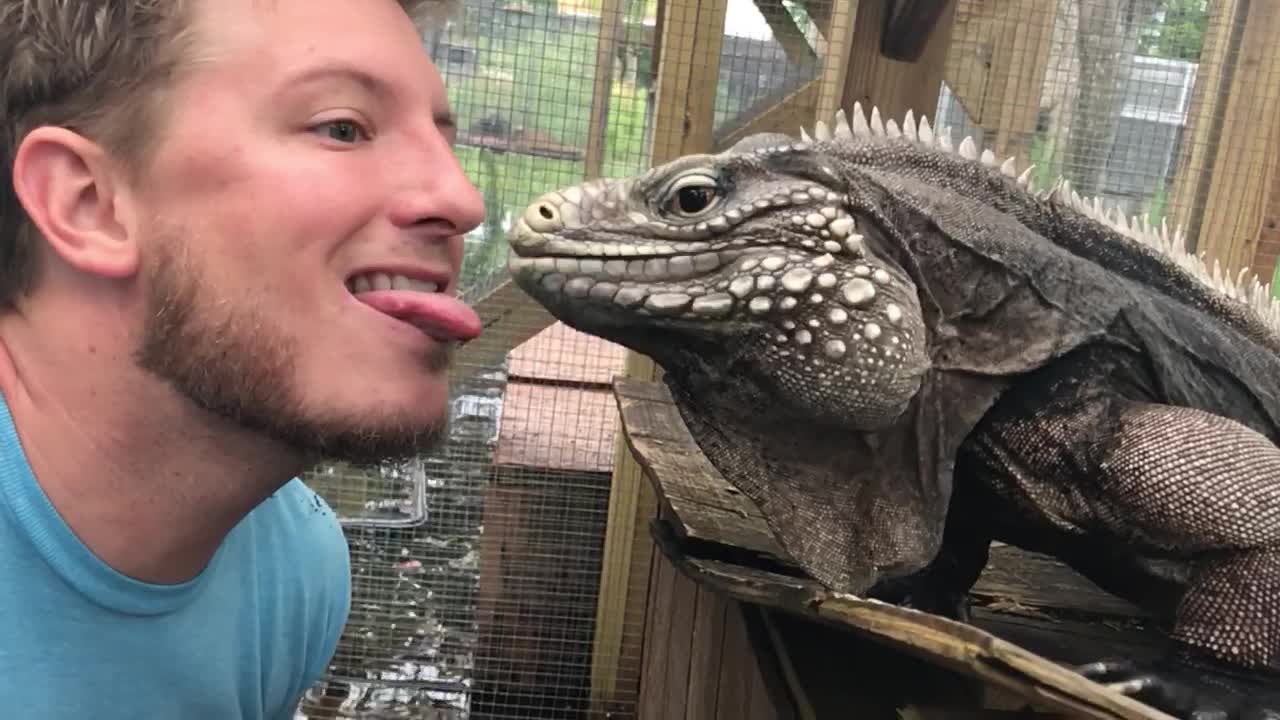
(544,217)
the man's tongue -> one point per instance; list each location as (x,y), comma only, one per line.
(441,316)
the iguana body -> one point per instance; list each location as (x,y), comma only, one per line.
(900,352)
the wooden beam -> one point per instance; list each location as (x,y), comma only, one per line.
(688,71)
(996,68)
(785,33)
(894,86)
(838,34)
(1228,161)
(624,573)
(908,26)
(786,116)
(602,90)
(817,99)
(688,41)
(509,317)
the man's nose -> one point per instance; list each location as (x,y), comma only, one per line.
(438,194)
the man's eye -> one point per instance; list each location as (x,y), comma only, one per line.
(346,131)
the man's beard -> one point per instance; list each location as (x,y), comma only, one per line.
(236,364)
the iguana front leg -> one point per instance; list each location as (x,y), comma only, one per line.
(942,587)
(1164,481)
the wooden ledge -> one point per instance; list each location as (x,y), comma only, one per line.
(1032,615)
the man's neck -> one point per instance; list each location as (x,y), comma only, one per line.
(147,481)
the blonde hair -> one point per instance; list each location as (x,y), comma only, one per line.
(102,69)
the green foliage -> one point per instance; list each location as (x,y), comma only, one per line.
(1159,204)
(1042,153)
(1181,35)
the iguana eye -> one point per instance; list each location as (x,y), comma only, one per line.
(692,195)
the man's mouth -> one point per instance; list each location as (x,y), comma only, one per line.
(365,282)
(418,302)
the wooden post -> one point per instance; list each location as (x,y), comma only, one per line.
(996,68)
(689,37)
(1228,161)
(606,51)
(818,98)
(893,86)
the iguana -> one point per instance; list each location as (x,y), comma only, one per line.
(901,349)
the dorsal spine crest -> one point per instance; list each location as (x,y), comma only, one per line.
(1245,288)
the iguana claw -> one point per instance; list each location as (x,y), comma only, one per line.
(1187,691)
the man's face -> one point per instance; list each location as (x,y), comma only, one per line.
(305,166)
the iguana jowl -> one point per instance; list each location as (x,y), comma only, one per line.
(901,350)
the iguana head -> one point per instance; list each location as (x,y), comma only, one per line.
(754,263)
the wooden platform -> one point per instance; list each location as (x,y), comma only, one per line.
(1032,615)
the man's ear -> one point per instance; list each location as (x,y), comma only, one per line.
(67,186)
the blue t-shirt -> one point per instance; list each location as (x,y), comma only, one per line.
(241,641)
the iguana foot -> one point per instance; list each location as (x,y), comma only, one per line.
(925,594)
(954,606)
(1192,691)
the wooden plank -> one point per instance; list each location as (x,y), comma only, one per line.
(679,641)
(602,88)
(688,38)
(1034,583)
(1227,161)
(789,37)
(737,670)
(624,579)
(996,68)
(1245,160)
(651,701)
(894,86)
(688,70)
(965,649)
(909,26)
(710,614)
(769,697)
(508,317)
(787,116)
(701,504)
(838,30)
(1203,126)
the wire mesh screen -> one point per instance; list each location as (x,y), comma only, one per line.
(496,577)
(1162,108)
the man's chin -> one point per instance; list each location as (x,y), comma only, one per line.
(369,444)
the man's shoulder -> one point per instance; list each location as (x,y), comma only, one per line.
(296,516)
(297,534)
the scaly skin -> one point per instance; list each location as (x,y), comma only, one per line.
(900,351)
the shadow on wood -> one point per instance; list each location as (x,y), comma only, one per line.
(1032,615)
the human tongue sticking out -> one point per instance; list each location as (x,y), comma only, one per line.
(441,316)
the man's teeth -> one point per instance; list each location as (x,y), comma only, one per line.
(385,281)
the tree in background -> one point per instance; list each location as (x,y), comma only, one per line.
(1180,35)
(1107,38)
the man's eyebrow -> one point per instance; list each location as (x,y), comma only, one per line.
(336,71)
(445,119)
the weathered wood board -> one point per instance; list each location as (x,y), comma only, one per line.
(1032,616)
